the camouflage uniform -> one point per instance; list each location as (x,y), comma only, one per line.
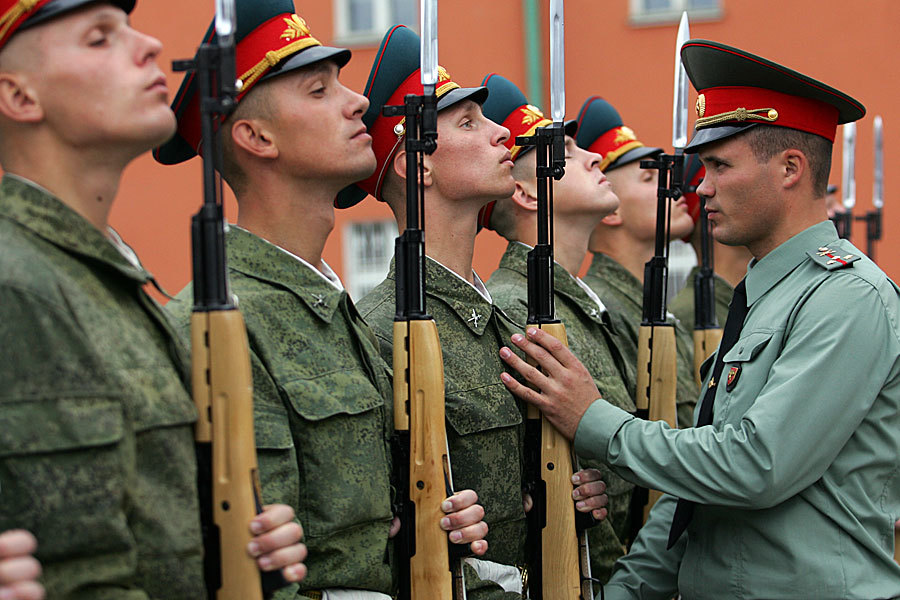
(486,424)
(322,412)
(623,295)
(683,304)
(97,442)
(592,339)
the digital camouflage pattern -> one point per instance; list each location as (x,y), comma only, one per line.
(322,412)
(623,295)
(96,449)
(593,340)
(682,306)
(486,424)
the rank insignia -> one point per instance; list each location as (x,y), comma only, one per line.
(733,375)
(833,259)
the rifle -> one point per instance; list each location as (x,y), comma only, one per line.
(707,331)
(427,569)
(558,558)
(222,382)
(844,221)
(656,378)
(873,217)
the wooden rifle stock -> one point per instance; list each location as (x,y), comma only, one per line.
(419,412)
(223,394)
(705,343)
(564,549)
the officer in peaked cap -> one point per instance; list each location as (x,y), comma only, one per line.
(97,455)
(580,199)
(470,167)
(786,487)
(322,414)
(625,240)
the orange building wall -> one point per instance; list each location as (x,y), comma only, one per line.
(852,49)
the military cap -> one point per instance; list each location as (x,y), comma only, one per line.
(508,106)
(694,172)
(739,90)
(21,14)
(600,130)
(396,73)
(270,40)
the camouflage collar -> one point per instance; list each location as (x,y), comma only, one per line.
(762,275)
(255,257)
(616,276)
(443,285)
(37,210)
(564,284)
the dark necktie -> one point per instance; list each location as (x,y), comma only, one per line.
(736,314)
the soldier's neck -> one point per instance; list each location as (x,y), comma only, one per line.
(570,242)
(629,252)
(298,222)
(731,262)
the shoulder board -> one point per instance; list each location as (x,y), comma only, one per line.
(833,257)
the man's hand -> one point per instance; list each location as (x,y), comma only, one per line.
(464,521)
(19,570)
(276,542)
(590,493)
(566,390)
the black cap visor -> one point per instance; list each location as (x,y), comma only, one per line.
(631,156)
(476,94)
(56,8)
(306,57)
(708,135)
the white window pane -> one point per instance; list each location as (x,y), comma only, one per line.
(703,4)
(361,15)
(368,250)
(657,5)
(406,12)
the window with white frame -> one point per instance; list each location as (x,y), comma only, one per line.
(366,21)
(368,250)
(651,12)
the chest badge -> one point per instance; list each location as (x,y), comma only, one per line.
(733,375)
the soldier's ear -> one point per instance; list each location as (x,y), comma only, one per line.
(253,137)
(792,165)
(18,100)
(398,163)
(613,219)
(525,196)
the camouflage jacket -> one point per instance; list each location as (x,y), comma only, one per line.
(486,424)
(683,304)
(591,338)
(322,410)
(623,295)
(96,449)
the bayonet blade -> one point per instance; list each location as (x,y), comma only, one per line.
(226,21)
(680,98)
(849,166)
(429,48)
(878,187)
(557,62)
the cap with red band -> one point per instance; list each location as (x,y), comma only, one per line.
(738,90)
(601,130)
(271,40)
(18,15)
(396,73)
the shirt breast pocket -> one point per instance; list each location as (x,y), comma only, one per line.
(744,373)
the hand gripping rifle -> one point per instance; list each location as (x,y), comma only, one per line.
(428,567)
(558,560)
(656,379)
(873,217)
(844,221)
(222,381)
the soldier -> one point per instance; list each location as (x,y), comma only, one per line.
(787,484)
(97,449)
(470,167)
(19,571)
(322,393)
(729,262)
(624,240)
(580,199)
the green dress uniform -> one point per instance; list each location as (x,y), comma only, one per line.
(796,479)
(593,340)
(486,423)
(322,412)
(682,306)
(96,448)
(623,295)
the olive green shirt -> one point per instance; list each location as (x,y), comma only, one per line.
(796,479)
(623,295)
(486,424)
(96,448)
(322,411)
(592,339)
(682,306)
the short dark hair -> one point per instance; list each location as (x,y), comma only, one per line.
(766,142)
(254,105)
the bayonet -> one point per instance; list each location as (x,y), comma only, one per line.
(844,221)
(873,217)
(680,102)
